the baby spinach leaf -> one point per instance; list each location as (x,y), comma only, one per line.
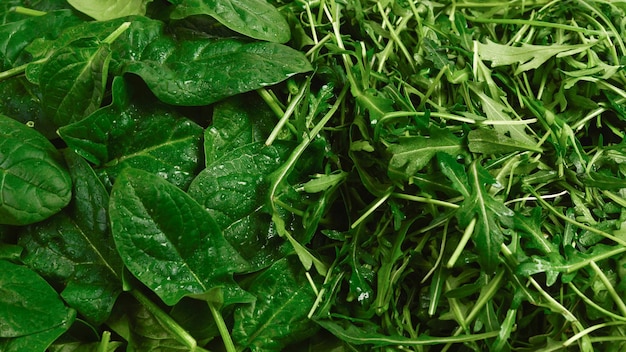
(278,316)
(75,246)
(237,121)
(254,18)
(73,80)
(16,36)
(38,341)
(29,305)
(411,154)
(34,184)
(167,240)
(148,334)
(201,72)
(234,190)
(137,133)
(103,10)
(19,99)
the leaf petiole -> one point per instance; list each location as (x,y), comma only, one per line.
(221,327)
(168,323)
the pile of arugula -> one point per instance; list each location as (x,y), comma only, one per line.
(312,175)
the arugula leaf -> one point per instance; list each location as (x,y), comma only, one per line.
(489,213)
(487,141)
(411,154)
(528,56)
(34,184)
(167,240)
(257,19)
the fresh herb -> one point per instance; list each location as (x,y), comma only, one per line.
(312,175)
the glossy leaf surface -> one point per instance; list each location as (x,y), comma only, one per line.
(34,184)
(73,81)
(253,18)
(75,247)
(29,305)
(167,240)
(278,316)
(204,71)
(141,134)
(110,9)
(234,191)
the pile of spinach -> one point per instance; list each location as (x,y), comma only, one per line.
(322,175)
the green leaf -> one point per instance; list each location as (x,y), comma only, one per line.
(73,81)
(16,36)
(167,240)
(353,334)
(147,333)
(29,305)
(237,121)
(141,134)
(234,190)
(102,10)
(257,19)
(528,56)
(278,316)
(76,248)
(201,72)
(19,99)
(496,111)
(38,341)
(33,182)
(487,141)
(490,214)
(411,154)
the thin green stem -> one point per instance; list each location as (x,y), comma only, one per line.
(221,327)
(28,12)
(288,112)
(467,234)
(167,322)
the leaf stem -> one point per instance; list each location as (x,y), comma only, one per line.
(467,234)
(574,222)
(221,327)
(16,71)
(288,112)
(26,11)
(168,323)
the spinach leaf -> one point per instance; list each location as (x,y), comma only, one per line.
(106,10)
(234,190)
(73,80)
(168,241)
(34,183)
(139,133)
(253,18)
(16,36)
(237,121)
(278,316)
(76,247)
(29,304)
(201,72)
